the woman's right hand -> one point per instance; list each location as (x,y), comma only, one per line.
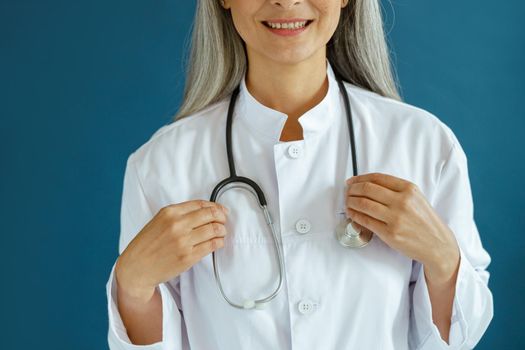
(176,238)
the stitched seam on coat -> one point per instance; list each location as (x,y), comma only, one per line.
(139,180)
(445,164)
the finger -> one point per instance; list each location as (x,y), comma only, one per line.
(393,183)
(204,248)
(368,222)
(372,191)
(207,232)
(357,226)
(184,208)
(203,216)
(369,207)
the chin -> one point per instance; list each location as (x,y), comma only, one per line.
(291,57)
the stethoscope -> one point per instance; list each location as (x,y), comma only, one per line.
(346,234)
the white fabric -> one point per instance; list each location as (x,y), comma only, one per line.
(332,297)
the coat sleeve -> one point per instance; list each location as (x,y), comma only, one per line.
(472,308)
(135,213)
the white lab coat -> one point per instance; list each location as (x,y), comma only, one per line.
(332,297)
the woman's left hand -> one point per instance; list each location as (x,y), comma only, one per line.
(397,211)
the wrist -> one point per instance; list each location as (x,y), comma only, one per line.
(128,287)
(444,269)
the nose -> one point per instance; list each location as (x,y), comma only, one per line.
(285,3)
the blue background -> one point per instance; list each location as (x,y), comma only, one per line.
(84,83)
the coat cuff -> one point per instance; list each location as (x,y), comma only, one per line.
(171,321)
(426,332)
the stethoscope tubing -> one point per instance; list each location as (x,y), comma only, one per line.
(235,181)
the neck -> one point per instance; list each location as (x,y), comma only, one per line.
(292,89)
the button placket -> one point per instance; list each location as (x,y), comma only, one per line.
(295,151)
(303,226)
(306,307)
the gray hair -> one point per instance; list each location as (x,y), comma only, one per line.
(217,58)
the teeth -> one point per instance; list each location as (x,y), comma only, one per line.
(290,25)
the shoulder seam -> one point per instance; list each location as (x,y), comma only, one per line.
(175,124)
(376,96)
(133,166)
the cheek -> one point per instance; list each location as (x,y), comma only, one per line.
(329,12)
(243,15)
(241,25)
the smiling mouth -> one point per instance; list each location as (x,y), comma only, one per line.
(306,25)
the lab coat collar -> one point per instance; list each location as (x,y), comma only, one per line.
(268,122)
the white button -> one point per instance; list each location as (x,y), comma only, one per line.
(295,151)
(303,226)
(306,307)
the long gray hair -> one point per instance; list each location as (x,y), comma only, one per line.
(217,58)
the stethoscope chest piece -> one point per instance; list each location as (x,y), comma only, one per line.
(349,237)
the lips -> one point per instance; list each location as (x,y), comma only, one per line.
(286,21)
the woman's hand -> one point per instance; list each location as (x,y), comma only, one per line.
(399,214)
(176,238)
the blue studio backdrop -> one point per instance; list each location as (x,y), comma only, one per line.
(84,83)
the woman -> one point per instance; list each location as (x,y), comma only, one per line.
(420,282)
